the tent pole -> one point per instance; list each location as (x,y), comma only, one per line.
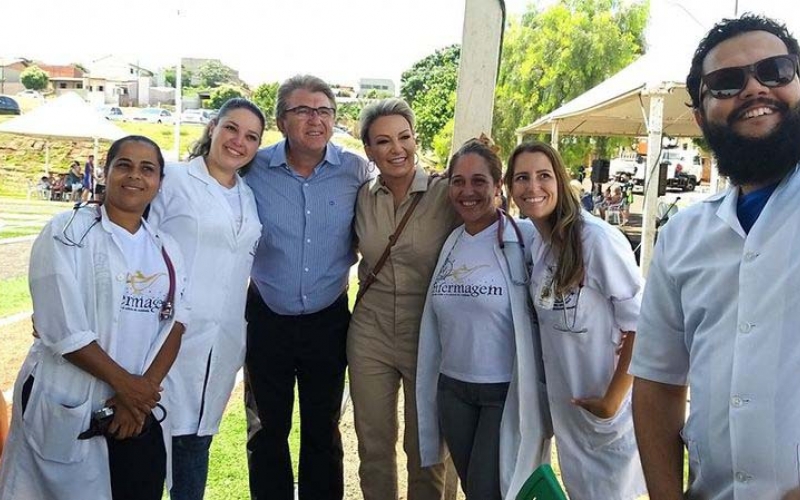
(47,157)
(554,135)
(655,127)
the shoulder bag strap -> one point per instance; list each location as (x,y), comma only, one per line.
(373,274)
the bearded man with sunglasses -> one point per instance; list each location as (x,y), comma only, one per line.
(721,308)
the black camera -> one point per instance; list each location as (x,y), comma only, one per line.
(98,425)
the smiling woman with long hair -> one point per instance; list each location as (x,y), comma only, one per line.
(586,291)
(107,305)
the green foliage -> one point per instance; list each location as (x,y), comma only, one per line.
(170,77)
(265,96)
(442,144)
(347,115)
(554,55)
(221,94)
(214,73)
(429,87)
(34,78)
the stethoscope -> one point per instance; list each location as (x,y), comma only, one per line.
(167,309)
(514,271)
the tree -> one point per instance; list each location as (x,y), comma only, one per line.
(221,94)
(554,55)
(170,77)
(214,73)
(429,87)
(265,96)
(34,78)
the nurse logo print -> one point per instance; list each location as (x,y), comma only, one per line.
(464,281)
(143,293)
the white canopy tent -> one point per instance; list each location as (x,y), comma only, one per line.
(619,105)
(66,117)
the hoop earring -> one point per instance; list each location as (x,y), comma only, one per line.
(416,159)
(371,166)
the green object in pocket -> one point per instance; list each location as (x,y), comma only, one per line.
(542,485)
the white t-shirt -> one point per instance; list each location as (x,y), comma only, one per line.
(233,196)
(146,288)
(473,311)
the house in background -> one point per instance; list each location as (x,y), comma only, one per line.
(381,86)
(114,80)
(10,69)
(65,78)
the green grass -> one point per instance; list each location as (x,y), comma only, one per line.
(14,296)
(15,232)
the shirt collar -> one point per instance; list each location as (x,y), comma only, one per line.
(279,159)
(419,184)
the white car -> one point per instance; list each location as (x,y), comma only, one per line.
(112,113)
(30,94)
(154,115)
(200,116)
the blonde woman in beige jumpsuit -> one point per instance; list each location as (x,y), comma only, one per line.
(384,329)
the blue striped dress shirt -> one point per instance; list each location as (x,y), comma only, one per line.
(303,259)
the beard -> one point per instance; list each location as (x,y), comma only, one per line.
(756,160)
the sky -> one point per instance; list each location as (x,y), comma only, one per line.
(270,40)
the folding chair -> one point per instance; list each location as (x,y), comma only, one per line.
(541,485)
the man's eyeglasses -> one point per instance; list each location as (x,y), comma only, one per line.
(772,72)
(307,111)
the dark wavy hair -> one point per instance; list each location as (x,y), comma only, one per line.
(485,151)
(113,151)
(724,30)
(203,145)
(566,219)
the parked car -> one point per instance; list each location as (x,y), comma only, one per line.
(154,115)
(113,113)
(8,106)
(30,94)
(201,116)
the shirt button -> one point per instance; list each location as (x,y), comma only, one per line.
(308,240)
(750,256)
(305,185)
(308,212)
(745,327)
(306,269)
(305,297)
(736,401)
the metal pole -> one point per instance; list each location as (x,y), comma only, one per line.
(554,135)
(178,95)
(655,127)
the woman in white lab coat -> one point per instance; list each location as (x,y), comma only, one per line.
(586,290)
(212,215)
(108,311)
(480,383)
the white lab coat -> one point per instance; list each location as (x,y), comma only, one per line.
(525,428)
(77,293)
(192,209)
(598,457)
(721,313)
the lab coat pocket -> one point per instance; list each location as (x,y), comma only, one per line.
(694,459)
(603,432)
(52,429)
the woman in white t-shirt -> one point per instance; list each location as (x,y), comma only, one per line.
(109,314)
(479,374)
(212,215)
(586,290)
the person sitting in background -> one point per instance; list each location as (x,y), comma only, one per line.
(43,187)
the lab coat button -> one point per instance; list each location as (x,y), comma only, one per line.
(750,256)
(121,277)
(736,401)
(745,327)
(742,477)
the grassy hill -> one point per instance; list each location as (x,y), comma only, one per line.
(22,159)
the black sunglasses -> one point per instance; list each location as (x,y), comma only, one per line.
(772,72)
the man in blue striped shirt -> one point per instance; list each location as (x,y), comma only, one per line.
(297,311)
